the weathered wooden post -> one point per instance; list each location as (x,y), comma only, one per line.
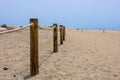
(81,30)
(64,33)
(104,31)
(34,60)
(61,34)
(55,38)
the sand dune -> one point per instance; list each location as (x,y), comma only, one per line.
(87,55)
(2,29)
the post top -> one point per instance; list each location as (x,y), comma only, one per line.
(55,24)
(33,18)
(61,25)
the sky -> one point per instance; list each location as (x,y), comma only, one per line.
(83,14)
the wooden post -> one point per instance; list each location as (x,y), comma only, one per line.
(55,38)
(61,35)
(34,60)
(81,30)
(104,31)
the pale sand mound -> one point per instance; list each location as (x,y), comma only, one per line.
(87,55)
(8,28)
(2,29)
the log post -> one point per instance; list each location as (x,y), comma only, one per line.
(61,34)
(104,31)
(64,33)
(55,38)
(34,60)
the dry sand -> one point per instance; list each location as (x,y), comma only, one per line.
(2,29)
(87,55)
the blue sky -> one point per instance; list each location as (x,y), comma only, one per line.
(86,14)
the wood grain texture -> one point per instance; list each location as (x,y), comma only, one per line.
(55,38)
(34,61)
(64,33)
(61,35)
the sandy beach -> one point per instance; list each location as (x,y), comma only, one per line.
(87,55)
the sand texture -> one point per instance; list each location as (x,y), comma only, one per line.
(2,29)
(86,55)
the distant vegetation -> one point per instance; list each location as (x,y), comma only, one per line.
(4,25)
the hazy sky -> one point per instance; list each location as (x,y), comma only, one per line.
(71,13)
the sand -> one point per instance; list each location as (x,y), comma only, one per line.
(87,55)
(2,29)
